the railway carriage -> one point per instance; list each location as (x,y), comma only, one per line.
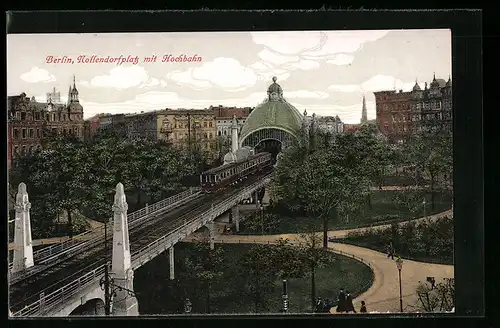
(223,176)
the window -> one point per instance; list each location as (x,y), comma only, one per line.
(31,149)
(16,134)
(210,135)
(18,115)
(24,133)
(54,131)
(16,150)
(37,116)
(204,124)
(225,132)
(24,150)
(31,133)
(210,124)
(23,116)
(219,133)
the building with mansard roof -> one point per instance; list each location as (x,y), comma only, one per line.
(30,122)
(402,114)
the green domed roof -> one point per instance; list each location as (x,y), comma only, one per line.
(274,112)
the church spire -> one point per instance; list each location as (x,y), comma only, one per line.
(73,93)
(364,117)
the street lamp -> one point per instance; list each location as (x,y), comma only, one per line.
(399,264)
(285,297)
(188,306)
(262,218)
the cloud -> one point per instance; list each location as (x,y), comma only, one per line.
(36,75)
(284,47)
(304,65)
(226,73)
(305,94)
(125,77)
(374,84)
(266,71)
(341,59)
(156,100)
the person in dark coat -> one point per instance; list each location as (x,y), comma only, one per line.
(363,307)
(341,305)
(348,301)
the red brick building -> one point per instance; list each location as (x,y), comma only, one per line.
(30,121)
(401,114)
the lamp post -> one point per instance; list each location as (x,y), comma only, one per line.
(262,218)
(188,306)
(399,264)
(285,297)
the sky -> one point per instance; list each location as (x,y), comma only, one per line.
(323,72)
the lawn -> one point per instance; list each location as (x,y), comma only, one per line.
(158,295)
(385,209)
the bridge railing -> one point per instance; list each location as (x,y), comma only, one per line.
(51,300)
(159,244)
(47,302)
(134,219)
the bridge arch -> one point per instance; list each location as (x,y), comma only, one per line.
(93,307)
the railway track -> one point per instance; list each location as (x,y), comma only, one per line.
(53,278)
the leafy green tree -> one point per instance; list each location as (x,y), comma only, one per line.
(330,179)
(204,267)
(258,274)
(289,260)
(314,256)
(429,161)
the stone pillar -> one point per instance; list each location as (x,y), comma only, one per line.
(23,251)
(124,301)
(234,135)
(211,233)
(171,258)
(236,216)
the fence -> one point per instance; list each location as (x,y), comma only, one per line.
(157,246)
(133,218)
(268,242)
(68,291)
(58,252)
(59,296)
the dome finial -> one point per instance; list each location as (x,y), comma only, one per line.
(275,79)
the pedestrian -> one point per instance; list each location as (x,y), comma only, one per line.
(363,307)
(348,301)
(341,306)
(390,251)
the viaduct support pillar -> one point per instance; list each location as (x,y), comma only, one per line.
(235,210)
(171,259)
(256,197)
(211,234)
(124,301)
(23,251)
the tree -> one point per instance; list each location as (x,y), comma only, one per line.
(436,297)
(258,274)
(314,256)
(205,266)
(289,260)
(329,179)
(56,179)
(429,160)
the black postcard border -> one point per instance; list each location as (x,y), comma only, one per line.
(467,96)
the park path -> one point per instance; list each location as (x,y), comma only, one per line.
(383,295)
